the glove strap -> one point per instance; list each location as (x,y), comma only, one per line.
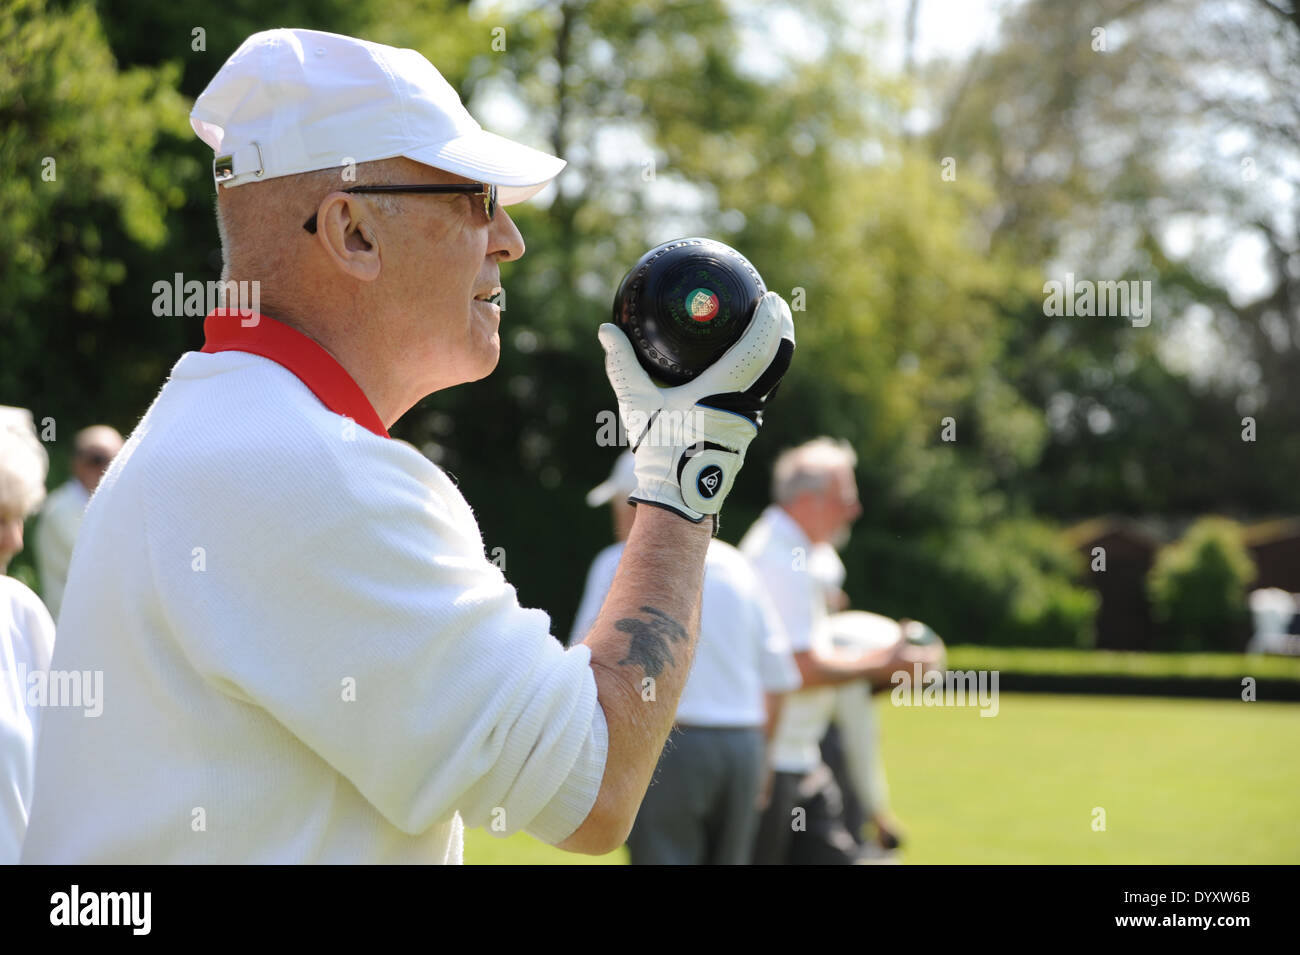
(705,473)
(716,518)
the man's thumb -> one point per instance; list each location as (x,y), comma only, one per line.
(624,371)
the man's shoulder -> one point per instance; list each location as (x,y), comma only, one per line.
(237,412)
(723,558)
(237,431)
(68,496)
(250,402)
(766,541)
(606,561)
(727,568)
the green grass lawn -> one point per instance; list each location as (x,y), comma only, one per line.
(522,849)
(1181,781)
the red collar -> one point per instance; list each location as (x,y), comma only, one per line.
(225,330)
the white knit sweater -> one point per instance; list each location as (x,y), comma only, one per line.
(306,655)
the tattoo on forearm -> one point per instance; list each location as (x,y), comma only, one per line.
(650,640)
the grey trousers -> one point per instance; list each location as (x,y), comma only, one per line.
(804,822)
(855,816)
(700,807)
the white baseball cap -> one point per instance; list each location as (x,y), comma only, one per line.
(621,480)
(292,101)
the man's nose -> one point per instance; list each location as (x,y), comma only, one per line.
(505,239)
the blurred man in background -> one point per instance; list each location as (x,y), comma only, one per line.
(701,807)
(93,451)
(851,746)
(26,629)
(791,547)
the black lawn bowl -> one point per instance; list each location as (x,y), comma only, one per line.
(684,303)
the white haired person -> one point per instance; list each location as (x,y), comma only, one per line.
(702,807)
(307,655)
(792,546)
(93,450)
(26,629)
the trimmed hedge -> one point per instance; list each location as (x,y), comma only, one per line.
(1212,675)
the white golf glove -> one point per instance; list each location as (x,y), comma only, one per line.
(689,441)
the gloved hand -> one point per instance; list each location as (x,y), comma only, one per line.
(689,441)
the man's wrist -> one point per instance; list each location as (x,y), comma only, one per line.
(709,521)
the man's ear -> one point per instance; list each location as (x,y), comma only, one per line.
(350,242)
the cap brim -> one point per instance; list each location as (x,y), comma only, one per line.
(519,172)
(602,493)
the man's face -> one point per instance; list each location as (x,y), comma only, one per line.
(840,505)
(90,463)
(447,257)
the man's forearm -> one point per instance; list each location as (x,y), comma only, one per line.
(772,705)
(875,666)
(642,644)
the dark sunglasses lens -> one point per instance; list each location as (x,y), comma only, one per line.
(491,202)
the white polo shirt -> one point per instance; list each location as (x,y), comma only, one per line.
(742,649)
(795,574)
(26,642)
(306,655)
(56,534)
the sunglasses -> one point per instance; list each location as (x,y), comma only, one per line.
(488,192)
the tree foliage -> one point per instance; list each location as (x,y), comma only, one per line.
(1198,587)
(918,295)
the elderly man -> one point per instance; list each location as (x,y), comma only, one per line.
(307,655)
(93,450)
(701,808)
(791,546)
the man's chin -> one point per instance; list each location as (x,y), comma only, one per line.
(490,359)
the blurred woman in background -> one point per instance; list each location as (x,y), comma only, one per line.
(26,628)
